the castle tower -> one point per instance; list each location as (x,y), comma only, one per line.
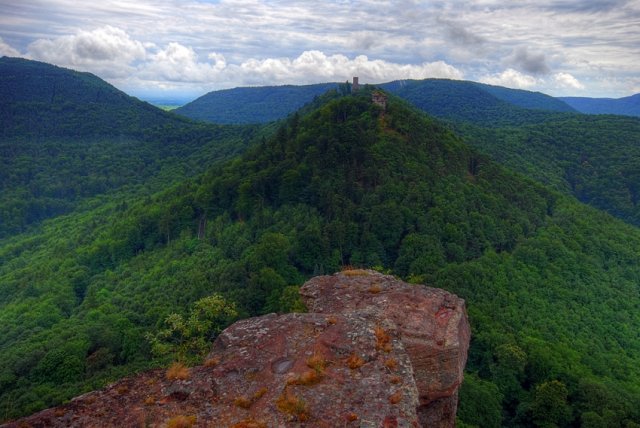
(356,86)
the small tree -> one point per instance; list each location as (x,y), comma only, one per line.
(188,339)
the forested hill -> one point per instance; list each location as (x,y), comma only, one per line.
(628,106)
(449,99)
(527,99)
(477,103)
(41,99)
(252,105)
(551,285)
(67,136)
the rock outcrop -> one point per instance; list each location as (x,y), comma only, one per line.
(372,352)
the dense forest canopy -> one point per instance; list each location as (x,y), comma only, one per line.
(551,285)
(68,136)
(589,157)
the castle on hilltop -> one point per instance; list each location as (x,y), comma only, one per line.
(377,97)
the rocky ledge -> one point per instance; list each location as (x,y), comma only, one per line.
(373,351)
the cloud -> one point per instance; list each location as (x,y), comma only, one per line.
(315,66)
(108,51)
(460,35)
(566,80)
(530,62)
(6,50)
(510,78)
(180,64)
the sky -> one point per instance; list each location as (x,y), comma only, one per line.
(181,49)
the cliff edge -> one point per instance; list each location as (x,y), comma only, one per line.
(373,351)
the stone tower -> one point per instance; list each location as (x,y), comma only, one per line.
(356,86)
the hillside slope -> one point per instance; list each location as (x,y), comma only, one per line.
(67,136)
(477,103)
(551,285)
(594,158)
(627,106)
(252,105)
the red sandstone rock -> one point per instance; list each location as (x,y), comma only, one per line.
(432,326)
(372,352)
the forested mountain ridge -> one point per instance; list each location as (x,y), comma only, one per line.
(66,136)
(628,106)
(551,285)
(473,102)
(42,99)
(443,98)
(252,105)
(591,158)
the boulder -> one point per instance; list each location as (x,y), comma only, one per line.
(373,351)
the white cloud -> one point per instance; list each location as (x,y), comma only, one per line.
(6,50)
(566,80)
(315,66)
(180,64)
(510,78)
(108,51)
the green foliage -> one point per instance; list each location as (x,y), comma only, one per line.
(594,158)
(550,284)
(549,406)
(480,402)
(188,339)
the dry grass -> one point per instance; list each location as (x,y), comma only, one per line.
(395,380)
(383,340)
(317,362)
(122,389)
(245,403)
(212,362)
(249,423)
(293,405)
(395,397)
(259,393)
(375,288)
(355,362)
(177,371)
(181,421)
(391,364)
(242,402)
(351,271)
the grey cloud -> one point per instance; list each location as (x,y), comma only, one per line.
(457,33)
(530,62)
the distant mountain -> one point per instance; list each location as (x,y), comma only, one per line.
(450,99)
(66,136)
(252,105)
(627,106)
(477,103)
(527,99)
